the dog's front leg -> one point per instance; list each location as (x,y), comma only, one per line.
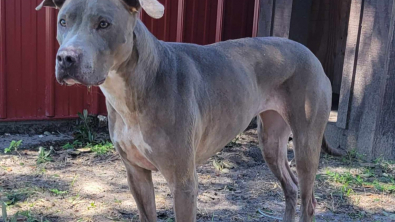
(142,188)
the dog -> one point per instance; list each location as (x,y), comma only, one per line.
(171,106)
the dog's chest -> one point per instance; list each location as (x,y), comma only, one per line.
(126,131)
(132,145)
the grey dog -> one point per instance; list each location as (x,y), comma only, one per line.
(171,106)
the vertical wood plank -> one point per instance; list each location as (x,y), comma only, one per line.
(328,35)
(282,18)
(166,18)
(350,61)
(205,31)
(50,23)
(341,24)
(385,135)
(3,92)
(255,19)
(180,20)
(220,15)
(365,104)
(265,17)
(300,19)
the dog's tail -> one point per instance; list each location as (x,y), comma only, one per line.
(330,150)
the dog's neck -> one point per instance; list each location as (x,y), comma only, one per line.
(127,84)
(141,66)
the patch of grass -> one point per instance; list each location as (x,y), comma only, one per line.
(25,216)
(388,166)
(29,216)
(15,195)
(383,187)
(43,156)
(68,146)
(352,157)
(14,146)
(102,148)
(366,179)
(71,146)
(57,192)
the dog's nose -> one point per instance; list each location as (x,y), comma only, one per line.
(67,58)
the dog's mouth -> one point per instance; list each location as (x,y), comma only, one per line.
(72,81)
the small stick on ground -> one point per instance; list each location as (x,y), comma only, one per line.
(266,215)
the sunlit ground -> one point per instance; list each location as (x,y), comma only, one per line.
(238,187)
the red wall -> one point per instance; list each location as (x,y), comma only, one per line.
(28,89)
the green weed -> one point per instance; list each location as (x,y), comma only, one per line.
(84,132)
(71,146)
(43,156)
(57,192)
(14,146)
(91,205)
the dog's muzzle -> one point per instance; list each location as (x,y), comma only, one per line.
(67,65)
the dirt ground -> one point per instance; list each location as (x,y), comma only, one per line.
(235,185)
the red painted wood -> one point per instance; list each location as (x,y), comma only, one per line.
(50,24)
(238,19)
(180,20)
(3,91)
(28,46)
(166,28)
(201,23)
(13,59)
(220,12)
(255,19)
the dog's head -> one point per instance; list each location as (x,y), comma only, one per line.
(95,36)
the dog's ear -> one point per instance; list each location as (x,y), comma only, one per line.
(51,3)
(152,7)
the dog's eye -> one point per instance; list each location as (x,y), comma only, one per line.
(104,24)
(62,22)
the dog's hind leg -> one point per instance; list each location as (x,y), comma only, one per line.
(273,134)
(308,116)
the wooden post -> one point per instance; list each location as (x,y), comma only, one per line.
(327,36)
(384,145)
(281,18)
(365,75)
(274,18)
(300,19)
(265,18)
(350,59)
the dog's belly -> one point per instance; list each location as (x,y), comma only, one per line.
(132,145)
(218,136)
